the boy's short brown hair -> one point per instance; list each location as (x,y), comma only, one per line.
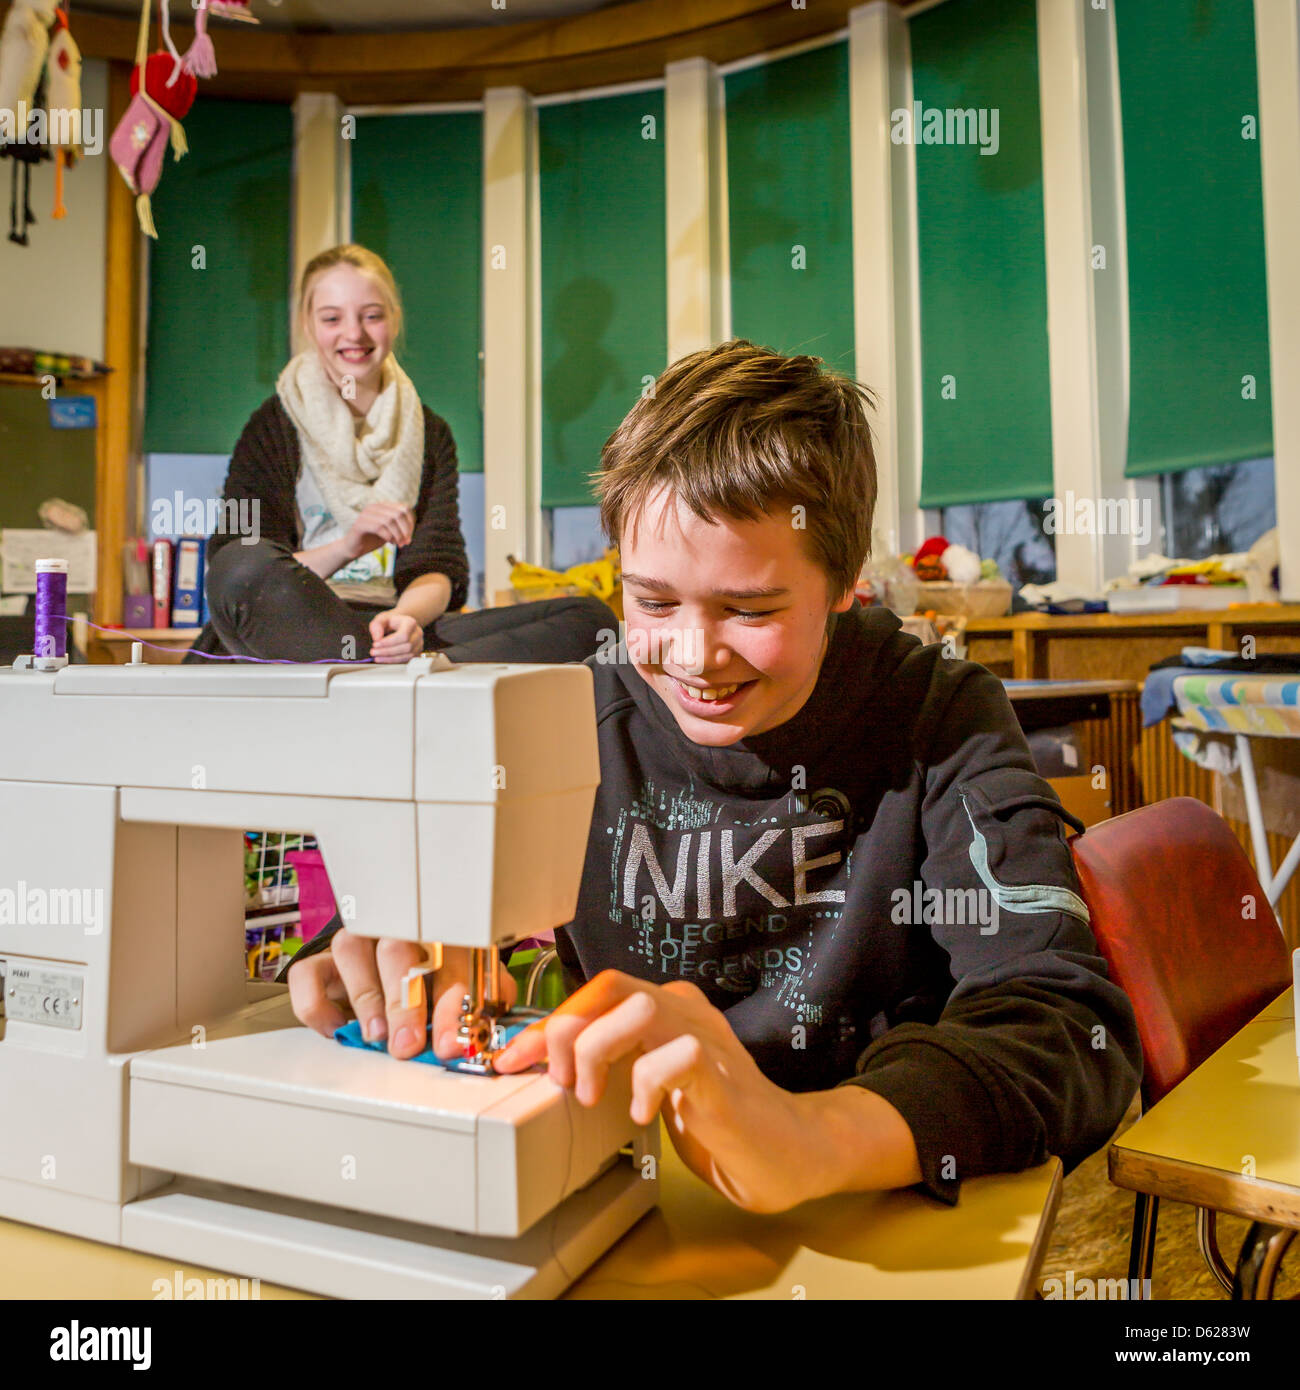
(740,431)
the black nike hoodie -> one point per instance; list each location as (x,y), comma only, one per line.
(877,893)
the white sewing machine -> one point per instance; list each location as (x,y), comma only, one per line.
(145,1102)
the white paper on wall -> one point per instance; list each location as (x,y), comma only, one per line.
(20,550)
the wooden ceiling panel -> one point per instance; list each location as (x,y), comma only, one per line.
(618,43)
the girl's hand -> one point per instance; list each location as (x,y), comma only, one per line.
(396,636)
(378,524)
(733,1127)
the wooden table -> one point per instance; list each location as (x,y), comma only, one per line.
(1238,1111)
(1044,704)
(114,648)
(877,1245)
(695,1244)
(1121,646)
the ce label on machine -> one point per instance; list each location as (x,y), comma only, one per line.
(32,994)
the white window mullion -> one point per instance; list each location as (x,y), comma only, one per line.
(885,283)
(1277,59)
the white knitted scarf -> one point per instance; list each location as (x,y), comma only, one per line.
(380,462)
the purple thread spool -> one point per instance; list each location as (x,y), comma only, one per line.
(51,615)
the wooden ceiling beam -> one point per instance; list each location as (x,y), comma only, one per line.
(625,43)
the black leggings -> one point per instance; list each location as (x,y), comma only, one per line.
(264,603)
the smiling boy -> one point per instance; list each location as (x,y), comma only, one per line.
(780,784)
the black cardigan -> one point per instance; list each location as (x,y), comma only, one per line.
(265,467)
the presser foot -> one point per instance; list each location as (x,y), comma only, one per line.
(485,1033)
(480,1035)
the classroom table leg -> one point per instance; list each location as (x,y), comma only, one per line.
(1207,1238)
(1261,1256)
(1142,1247)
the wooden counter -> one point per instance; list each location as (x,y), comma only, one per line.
(1108,646)
(1140,765)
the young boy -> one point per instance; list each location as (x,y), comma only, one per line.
(827,903)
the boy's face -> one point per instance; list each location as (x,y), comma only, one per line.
(733,610)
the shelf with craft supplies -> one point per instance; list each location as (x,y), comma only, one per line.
(272,909)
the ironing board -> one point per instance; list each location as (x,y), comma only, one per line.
(1246,707)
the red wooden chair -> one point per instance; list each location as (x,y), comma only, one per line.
(1168,887)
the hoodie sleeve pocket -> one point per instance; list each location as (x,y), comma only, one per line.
(1014,824)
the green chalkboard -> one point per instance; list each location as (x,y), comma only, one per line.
(219,277)
(789,203)
(604,277)
(1198,303)
(417,201)
(986,389)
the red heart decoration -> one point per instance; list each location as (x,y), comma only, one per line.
(177,99)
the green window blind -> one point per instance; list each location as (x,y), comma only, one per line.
(219,277)
(986,404)
(1198,308)
(604,277)
(790,209)
(417,201)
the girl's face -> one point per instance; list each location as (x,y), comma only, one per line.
(352,327)
(726,620)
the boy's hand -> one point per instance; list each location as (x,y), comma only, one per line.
(368,974)
(732,1126)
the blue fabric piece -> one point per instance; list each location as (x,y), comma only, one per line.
(1158,692)
(1158,688)
(350,1036)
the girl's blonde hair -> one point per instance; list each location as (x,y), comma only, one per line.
(362,259)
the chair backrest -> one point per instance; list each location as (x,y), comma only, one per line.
(1185,928)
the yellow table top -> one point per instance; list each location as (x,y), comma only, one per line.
(1228,1137)
(875,1245)
(695,1244)
(1281,1007)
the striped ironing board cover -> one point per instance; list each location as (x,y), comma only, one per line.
(1263,706)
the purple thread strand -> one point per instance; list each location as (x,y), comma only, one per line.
(216,656)
(51,613)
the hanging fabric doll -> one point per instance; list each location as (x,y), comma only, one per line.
(162,94)
(234,9)
(201,60)
(23,46)
(63,95)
